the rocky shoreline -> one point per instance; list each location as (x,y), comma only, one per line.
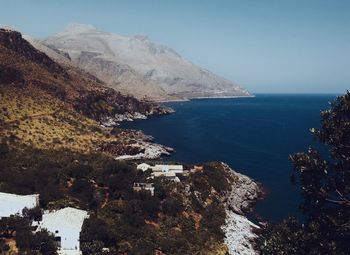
(134,145)
(146,150)
(239,231)
(240,234)
(113,121)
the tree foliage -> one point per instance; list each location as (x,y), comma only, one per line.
(28,242)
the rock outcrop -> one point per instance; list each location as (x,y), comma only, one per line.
(244,193)
(124,108)
(240,234)
(137,145)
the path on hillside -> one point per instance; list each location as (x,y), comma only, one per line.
(34,116)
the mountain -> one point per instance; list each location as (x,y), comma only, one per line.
(137,66)
(46,104)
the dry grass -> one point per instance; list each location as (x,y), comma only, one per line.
(218,249)
(40,110)
(47,122)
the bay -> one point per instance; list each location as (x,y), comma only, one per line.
(254,136)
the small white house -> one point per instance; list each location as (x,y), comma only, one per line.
(66,225)
(144,167)
(11,204)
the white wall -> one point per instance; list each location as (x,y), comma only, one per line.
(11,204)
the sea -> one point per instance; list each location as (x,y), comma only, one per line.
(255,136)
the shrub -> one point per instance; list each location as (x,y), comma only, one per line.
(172,206)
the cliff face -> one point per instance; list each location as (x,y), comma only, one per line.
(239,231)
(243,193)
(137,66)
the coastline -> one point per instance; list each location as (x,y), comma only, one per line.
(221,97)
(239,130)
(199,98)
(240,231)
(239,234)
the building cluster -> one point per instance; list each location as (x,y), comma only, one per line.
(65,224)
(170,172)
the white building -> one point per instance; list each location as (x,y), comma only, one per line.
(66,225)
(144,167)
(169,175)
(144,186)
(11,204)
(177,169)
(168,171)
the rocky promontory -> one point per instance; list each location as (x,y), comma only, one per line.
(243,194)
(132,145)
(235,195)
(239,231)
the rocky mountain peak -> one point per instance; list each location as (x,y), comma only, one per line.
(14,41)
(78,28)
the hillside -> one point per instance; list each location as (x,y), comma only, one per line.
(46,105)
(186,217)
(56,142)
(137,66)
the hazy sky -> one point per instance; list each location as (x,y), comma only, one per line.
(264,45)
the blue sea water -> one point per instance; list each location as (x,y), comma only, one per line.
(253,135)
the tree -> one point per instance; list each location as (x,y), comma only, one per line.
(80,171)
(82,189)
(9,225)
(44,242)
(20,229)
(324,176)
(95,235)
(4,149)
(173,205)
(34,214)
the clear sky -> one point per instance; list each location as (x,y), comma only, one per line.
(294,46)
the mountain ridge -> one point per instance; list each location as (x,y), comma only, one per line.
(135,65)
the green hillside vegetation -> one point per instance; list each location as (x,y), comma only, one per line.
(174,221)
